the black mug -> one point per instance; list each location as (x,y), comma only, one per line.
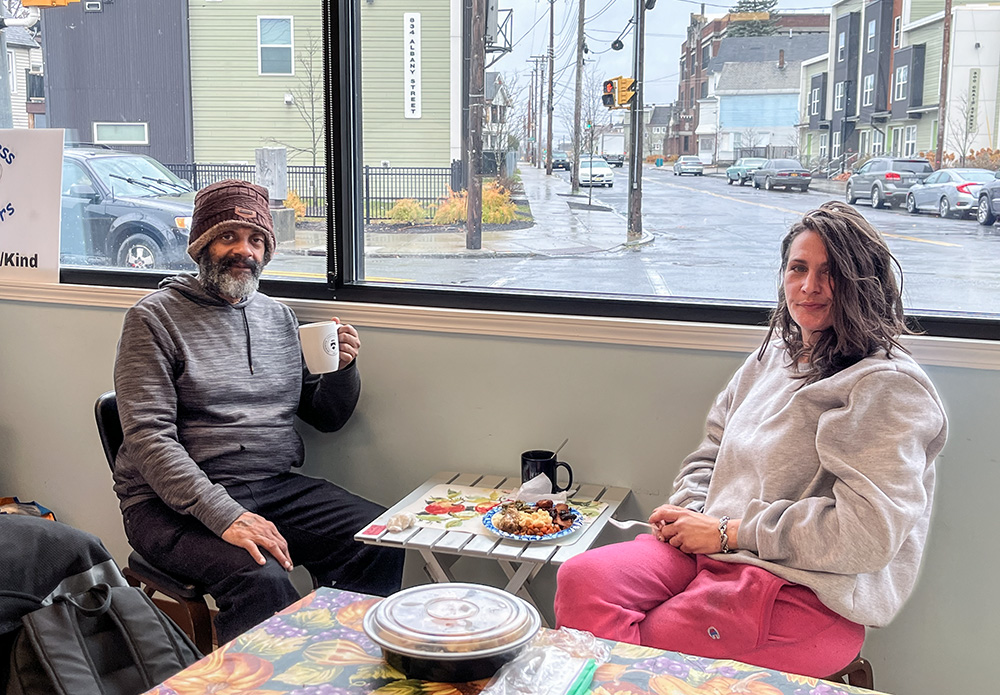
(539,461)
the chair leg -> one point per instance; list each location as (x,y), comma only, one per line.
(862,676)
(858,673)
(201,625)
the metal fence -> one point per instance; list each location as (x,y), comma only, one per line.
(308,182)
(383,186)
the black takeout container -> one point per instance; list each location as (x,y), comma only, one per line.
(452,632)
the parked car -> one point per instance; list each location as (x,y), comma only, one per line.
(988,205)
(887,179)
(124,209)
(689,165)
(782,172)
(560,160)
(948,192)
(595,171)
(742,170)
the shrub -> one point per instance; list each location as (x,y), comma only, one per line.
(407,211)
(452,209)
(295,203)
(497,205)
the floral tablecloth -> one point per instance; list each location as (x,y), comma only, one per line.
(317,647)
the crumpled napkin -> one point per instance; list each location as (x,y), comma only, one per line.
(400,521)
(538,488)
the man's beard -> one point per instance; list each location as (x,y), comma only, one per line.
(218,276)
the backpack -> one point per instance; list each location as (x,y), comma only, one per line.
(104,641)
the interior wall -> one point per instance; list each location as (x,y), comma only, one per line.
(436,402)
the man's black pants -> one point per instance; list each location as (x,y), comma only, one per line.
(318,520)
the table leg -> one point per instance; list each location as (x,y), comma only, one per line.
(439,572)
(518,582)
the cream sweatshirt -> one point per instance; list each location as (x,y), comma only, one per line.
(833,481)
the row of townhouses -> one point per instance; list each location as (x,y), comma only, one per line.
(865,79)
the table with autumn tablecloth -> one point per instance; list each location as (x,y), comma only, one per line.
(317,647)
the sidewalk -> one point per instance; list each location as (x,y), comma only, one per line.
(562,227)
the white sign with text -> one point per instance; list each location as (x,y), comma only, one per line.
(30,184)
(411,64)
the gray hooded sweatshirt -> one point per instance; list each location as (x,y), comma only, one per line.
(208,392)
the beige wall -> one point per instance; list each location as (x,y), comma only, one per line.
(435,401)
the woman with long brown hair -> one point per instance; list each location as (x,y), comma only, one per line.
(802,516)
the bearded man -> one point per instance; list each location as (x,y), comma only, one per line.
(210,377)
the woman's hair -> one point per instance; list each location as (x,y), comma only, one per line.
(867,309)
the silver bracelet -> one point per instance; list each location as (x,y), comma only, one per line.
(723,525)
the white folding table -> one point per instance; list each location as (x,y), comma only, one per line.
(520,560)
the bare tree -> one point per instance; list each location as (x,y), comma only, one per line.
(307,99)
(963,127)
(14,8)
(592,111)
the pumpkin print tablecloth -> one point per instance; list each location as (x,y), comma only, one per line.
(318,647)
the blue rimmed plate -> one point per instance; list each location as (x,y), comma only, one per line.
(488,523)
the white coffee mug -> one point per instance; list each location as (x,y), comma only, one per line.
(321,346)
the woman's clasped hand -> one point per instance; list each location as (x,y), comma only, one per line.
(690,531)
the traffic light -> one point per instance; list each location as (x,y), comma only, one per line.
(625,92)
(610,96)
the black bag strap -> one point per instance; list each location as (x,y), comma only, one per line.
(76,673)
(157,647)
(145,628)
(102,592)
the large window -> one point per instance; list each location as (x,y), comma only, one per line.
(121,133)
(374,169)
(910,141)
(902,77)
(275,45)
(868,90)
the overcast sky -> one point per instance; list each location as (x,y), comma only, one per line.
(666,24)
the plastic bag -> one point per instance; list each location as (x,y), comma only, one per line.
(557,662)
(538,488)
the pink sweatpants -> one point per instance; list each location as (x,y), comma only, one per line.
(650,593)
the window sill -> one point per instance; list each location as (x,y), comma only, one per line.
(928,350)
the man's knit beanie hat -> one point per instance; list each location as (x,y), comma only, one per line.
(226,205)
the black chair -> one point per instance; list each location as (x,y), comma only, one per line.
(140,573)
(858,674)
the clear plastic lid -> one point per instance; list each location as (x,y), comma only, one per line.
(456,618)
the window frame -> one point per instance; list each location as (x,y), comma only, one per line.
(897,31)
(902,78)
(868,90)
(814,102)
(137,143)
(838,96)
(841,46)
(290,45)
(870,41)
(345,257)
(909,143)
(12,71)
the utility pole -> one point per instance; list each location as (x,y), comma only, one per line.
(531,118)
(536,111)
(635,155)
(943,98)
(578,103)
(6,110)
(477,79)
(552,69)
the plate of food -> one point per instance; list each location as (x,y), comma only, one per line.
(543,521)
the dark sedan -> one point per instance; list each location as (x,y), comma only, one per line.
(782,172)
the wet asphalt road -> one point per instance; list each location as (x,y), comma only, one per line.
(716,241)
